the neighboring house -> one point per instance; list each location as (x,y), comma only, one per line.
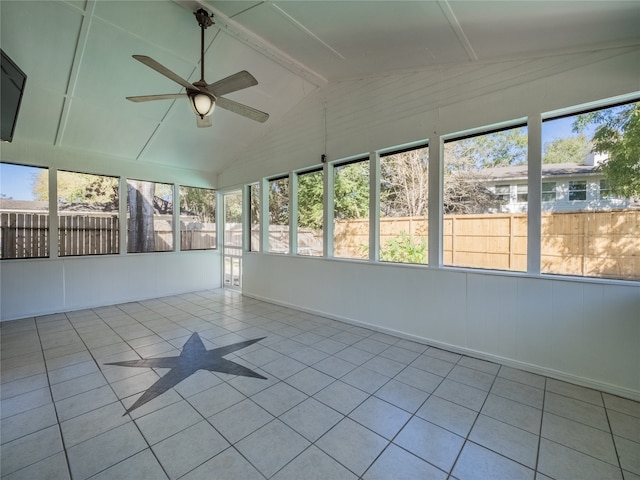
(565,187)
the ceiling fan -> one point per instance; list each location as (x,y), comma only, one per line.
(204,96)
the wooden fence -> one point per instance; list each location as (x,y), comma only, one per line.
(26,235)
(595,244)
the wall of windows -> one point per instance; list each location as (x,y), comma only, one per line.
(587,227)
(88,219)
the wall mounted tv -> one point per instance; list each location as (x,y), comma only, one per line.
(11,88)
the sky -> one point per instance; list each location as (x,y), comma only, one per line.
(16,180)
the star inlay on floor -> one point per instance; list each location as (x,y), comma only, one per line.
(194,357)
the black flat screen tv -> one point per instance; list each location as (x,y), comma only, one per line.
(11,89)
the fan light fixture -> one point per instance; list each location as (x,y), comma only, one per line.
(201,103)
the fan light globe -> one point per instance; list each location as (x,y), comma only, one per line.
(202,104)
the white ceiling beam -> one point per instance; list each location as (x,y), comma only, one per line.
(457,28)
(257,43)
(78,55)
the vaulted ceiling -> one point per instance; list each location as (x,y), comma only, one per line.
(77,55)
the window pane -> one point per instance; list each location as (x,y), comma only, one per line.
(149,216)
(310,213)
(351,210)
(24,211)
(577,190)
(592,228)
(404,198)
(197,218)
(522,193)
(485,225)
(87,214)
(279,215)
(254,216)
(548,191)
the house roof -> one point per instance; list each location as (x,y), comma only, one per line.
(519,172)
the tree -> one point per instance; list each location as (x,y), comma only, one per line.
(310,207)
(404,189)
(140,203)
(351,190)
(200,202)
(279,201)
(497,149)
(572,149)
(618,134)
(84,188)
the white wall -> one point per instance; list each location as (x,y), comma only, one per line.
(42,286)
(582,330)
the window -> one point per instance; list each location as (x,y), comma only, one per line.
(197,218)
(522,193)
(404,200)
(548,191)
(583,236)
(605,190)
(577,190)
(351,209)
(254,217)
(310,213)
(87,214)
(279,215)
(24,211)
(481,227)
(503,194)
(149,216)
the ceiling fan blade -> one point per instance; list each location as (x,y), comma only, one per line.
(232,83)
(151,63)
(149,98)
(203,122)
(241,109)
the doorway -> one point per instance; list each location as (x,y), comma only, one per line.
(232,240)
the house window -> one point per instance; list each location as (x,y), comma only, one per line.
(479,230)
(88,207)
(577,190)
(404,198)
(522,193)
(548,191)
(503,193)
(279,215)
(197,218)
(351,209)
(24,211)
(254,217)
(605,190)
(310,213)
(150,216)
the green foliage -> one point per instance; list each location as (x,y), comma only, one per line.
(351,190)
(404,249)
(499,149)
(279,201)
(310,207)
(566,150)
(618,134)
(78,188)
(200,202)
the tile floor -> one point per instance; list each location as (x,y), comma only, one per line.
(339,402)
